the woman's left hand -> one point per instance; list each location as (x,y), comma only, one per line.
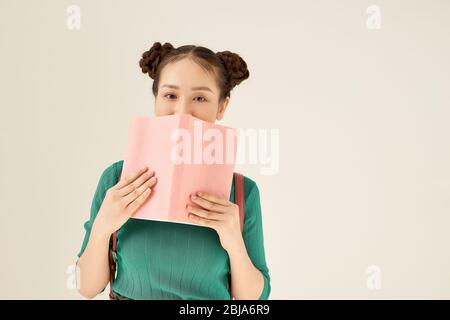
(219,214)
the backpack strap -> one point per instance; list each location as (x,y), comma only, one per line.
(239,199)
(113,261)
(239,196)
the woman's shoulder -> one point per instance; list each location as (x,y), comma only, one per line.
(249,183)
(250,188)
(252,199)
(118,165)
(111,173)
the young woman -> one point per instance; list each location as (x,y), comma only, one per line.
(164,260)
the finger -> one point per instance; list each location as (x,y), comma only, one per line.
(136,183)
(130,178)
(214,198)
(210,206)
(137,192)
(210,215)
(134,205)
(202,221)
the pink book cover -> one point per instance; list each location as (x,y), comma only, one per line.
(187,154)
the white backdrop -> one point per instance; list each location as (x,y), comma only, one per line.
(359,91)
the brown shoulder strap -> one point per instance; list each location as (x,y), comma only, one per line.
(112,265)
(112,261)
(239,196)
(239,199)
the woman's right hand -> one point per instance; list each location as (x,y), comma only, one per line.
(123,199)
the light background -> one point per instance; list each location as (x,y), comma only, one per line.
(363,115)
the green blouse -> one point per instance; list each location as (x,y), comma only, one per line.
(166,260)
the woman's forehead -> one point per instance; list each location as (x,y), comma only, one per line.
(186,74)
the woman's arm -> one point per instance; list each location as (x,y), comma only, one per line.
(249,272)
(250,277)
(94,264)
(113,204)
(247,282)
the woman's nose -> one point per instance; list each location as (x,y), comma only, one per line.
(183,109)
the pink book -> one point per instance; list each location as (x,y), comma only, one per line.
(187,154)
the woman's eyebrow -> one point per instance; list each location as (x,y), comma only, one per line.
(193,88)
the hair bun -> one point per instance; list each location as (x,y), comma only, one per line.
(235,66)
(151,59)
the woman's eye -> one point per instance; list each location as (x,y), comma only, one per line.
(204,99)
(169,94)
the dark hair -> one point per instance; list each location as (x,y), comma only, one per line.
(229,67)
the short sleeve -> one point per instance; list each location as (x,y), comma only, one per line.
(253,233)
(107,179)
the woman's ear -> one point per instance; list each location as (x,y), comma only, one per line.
(222,108)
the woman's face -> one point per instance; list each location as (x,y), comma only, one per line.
(184,87)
